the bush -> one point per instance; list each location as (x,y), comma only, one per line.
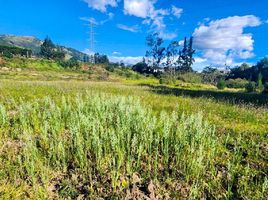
(167,79)
(236,83)
(265,89)
(250,87)
(221,84)
(110,68)
(72,63)
(127,73)
(259,83)
(190,78)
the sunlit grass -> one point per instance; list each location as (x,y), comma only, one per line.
(70,138)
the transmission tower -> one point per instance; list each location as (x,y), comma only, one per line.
(92,41)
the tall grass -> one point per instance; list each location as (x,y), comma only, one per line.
(100,144)
(104,138)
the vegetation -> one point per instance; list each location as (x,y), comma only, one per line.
(172,57)
(72,140)
(221,85)
(100,130)
(251,73)
(100,59)
(265,88)
(190,77)
(251,86)
(10,52)
(50,51)
(236,83)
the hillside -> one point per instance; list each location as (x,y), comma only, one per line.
(33,43)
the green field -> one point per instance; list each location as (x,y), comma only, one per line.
(126,138)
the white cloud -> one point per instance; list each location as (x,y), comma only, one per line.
(116,53)
(177,12)
(222,41)
(138,8)
(200,60)
(94,21)
(144,9)
(133,29)
(101,5)
(129,60)
(153,17)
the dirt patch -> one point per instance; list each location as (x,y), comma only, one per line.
(11,147)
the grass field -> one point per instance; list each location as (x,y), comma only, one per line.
(96,134)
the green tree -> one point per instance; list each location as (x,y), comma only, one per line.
(47,48)
(259,82)
(185,59)
(101,59)
(142,67)
(50,51)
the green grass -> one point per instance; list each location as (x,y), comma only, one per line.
(70,134)
(64,139)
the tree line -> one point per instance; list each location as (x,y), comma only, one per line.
(10,52)
(173,58)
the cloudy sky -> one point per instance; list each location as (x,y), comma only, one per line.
(225,31)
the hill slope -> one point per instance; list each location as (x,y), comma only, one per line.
(34,44)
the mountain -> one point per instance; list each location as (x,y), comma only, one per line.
(29,42)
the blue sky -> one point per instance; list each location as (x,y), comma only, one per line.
(225,31)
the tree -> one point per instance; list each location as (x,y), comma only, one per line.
(172,52)
(259,82)
(251,73)
(263,63)
(156,53)
(47,48)
(101,59)
(185,59)
(244,67)
(9,52)
(142,68)
(212,75)
(50,51)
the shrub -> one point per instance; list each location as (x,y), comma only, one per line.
(72,63)
(167,79)
(161,81)
(236,83)
(110,68)
(265,89)
(2,62)
(190,78)
(250,86)
(221,84)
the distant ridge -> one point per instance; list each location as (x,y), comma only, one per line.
(33,43)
